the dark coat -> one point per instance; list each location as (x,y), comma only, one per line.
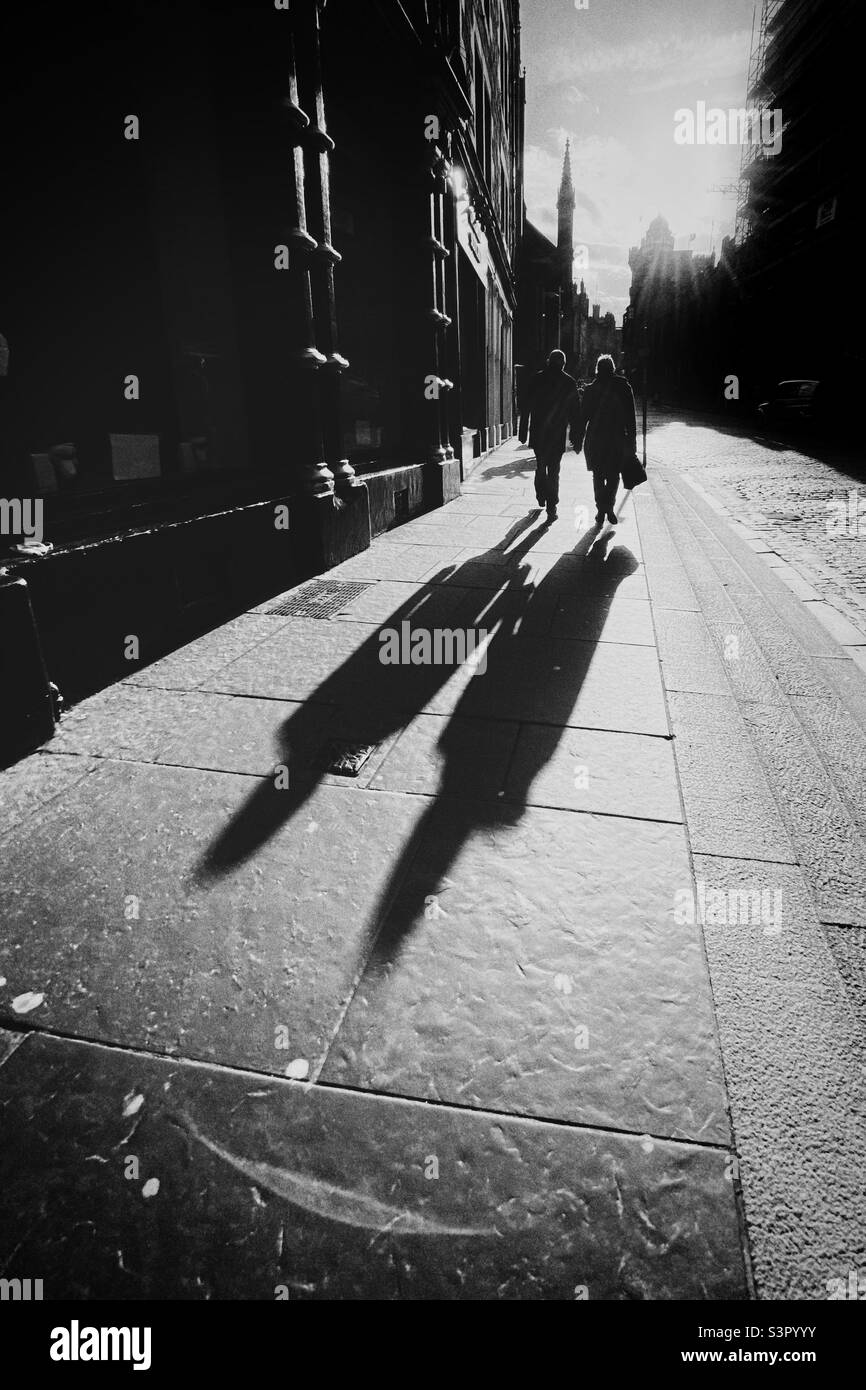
(553,405)
(608,428)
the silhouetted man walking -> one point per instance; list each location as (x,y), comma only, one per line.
(553,406)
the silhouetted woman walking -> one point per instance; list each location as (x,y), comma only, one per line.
(607,434)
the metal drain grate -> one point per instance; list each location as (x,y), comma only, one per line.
(321,598)
(343,758)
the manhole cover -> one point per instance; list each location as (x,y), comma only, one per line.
(345,759)
(321,598)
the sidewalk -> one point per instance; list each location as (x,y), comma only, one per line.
(447,1028)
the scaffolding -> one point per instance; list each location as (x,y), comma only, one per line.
(757,94)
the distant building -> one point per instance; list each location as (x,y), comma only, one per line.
(554,310)
(601,335)
(661,319)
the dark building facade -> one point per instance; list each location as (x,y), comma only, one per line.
(798,216)
(539,298)
(721,334)
(601,335)
(666,314)
(257,297)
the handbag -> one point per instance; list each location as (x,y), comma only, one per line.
(632,472)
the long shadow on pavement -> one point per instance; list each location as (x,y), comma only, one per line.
(523,682)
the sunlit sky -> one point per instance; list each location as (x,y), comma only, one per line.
(610,77)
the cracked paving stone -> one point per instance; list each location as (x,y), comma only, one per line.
(272,1190)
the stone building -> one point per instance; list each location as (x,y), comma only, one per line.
(262,265)
(663,316)
(799,212)
(601,335)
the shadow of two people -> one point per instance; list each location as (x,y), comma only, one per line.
(526,678)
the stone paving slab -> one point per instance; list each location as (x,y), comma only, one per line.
(748,566)
(828,845)
(536,967)
(846,945)
(794,1062)
(9,1042)
(488,530)
(688,654)
(193,664)
(527,612)
(627,621)
(697,548)
(305,659)
(228,733)
(469,571)
(135,937)
(846,682)
(433,606)
(616,571)
(223,733)
(340,664)
(748,674)
(527,677)
(730,808)
(585,770)
(127,722)
(468,757)
(563,682)
(797,490)
(669,588)
(518,508)
(247,1188)
(33,783)
(437,539)
(480,502)
(387,559)
(839,627)
(572,527)
(842,741)
(785,656)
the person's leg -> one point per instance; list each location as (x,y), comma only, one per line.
(598,488)
(553,466)
(540,477)
(611,489)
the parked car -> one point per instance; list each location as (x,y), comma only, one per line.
(791,401)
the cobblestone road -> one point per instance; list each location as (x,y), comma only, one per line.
(805,506)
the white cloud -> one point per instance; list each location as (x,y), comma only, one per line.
(575,97)
(681,57)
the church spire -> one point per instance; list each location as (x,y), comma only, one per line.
(566,186)
(565,225)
